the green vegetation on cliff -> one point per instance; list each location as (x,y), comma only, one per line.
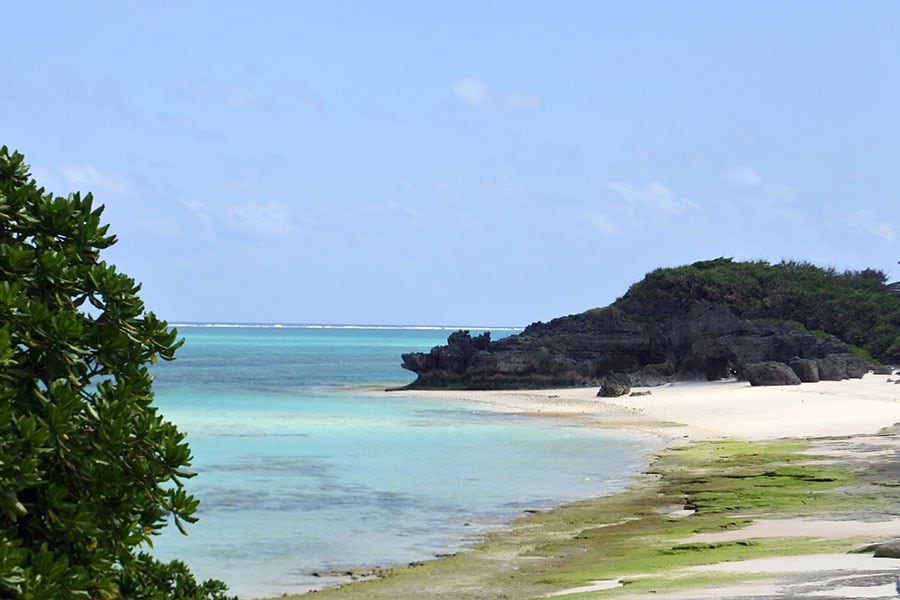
(855,306)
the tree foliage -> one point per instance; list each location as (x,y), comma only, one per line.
(855,306)
(89,471)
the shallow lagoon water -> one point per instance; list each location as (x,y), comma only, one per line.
(299,473)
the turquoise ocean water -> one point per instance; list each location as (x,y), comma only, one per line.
(299,471)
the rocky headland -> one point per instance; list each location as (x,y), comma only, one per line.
(771,325)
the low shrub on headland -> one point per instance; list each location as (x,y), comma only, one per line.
(855,306)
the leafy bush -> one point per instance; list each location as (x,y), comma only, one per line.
(855,306)
(89,471)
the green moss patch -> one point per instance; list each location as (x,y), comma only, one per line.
(634,537)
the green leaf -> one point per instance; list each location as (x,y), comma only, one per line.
(84,455)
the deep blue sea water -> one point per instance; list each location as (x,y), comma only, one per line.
(299,471)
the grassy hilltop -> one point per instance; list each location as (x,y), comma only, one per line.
(855,306)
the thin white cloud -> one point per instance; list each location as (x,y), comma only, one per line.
(603,223)
(70,177)
(779,192)
(191,87)
(654,196)
(106,93)
(867,221)
(472,92)
(198,209)
(185,125)
(743,176)
(476,93)
(522,101)
(264,219)
(198,89)
(240,98)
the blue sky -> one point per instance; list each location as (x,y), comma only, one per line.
(457,162)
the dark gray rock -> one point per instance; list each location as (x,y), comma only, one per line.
(889,549)
(856,367)
(615,385)
(769,373)
(446,364)
(806,369)
(652,375)
(832,368)
(883,370)
(653,345)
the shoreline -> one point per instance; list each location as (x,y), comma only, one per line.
(709,410)
(836,418)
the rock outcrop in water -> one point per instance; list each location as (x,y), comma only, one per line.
(702,340)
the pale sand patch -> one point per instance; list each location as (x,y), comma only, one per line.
(860,447)
(756,589)
(887,590)
(595,586)
(819,529)
(705,410)
(809,563)
(774,589)
(825,575)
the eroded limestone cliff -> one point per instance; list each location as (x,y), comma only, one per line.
(652,345)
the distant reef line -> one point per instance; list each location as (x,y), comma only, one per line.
(227,325)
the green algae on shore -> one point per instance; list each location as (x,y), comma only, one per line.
(636,537)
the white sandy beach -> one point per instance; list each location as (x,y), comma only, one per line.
(705,410)
(733,409)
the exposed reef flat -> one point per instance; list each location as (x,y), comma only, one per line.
(764,492)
